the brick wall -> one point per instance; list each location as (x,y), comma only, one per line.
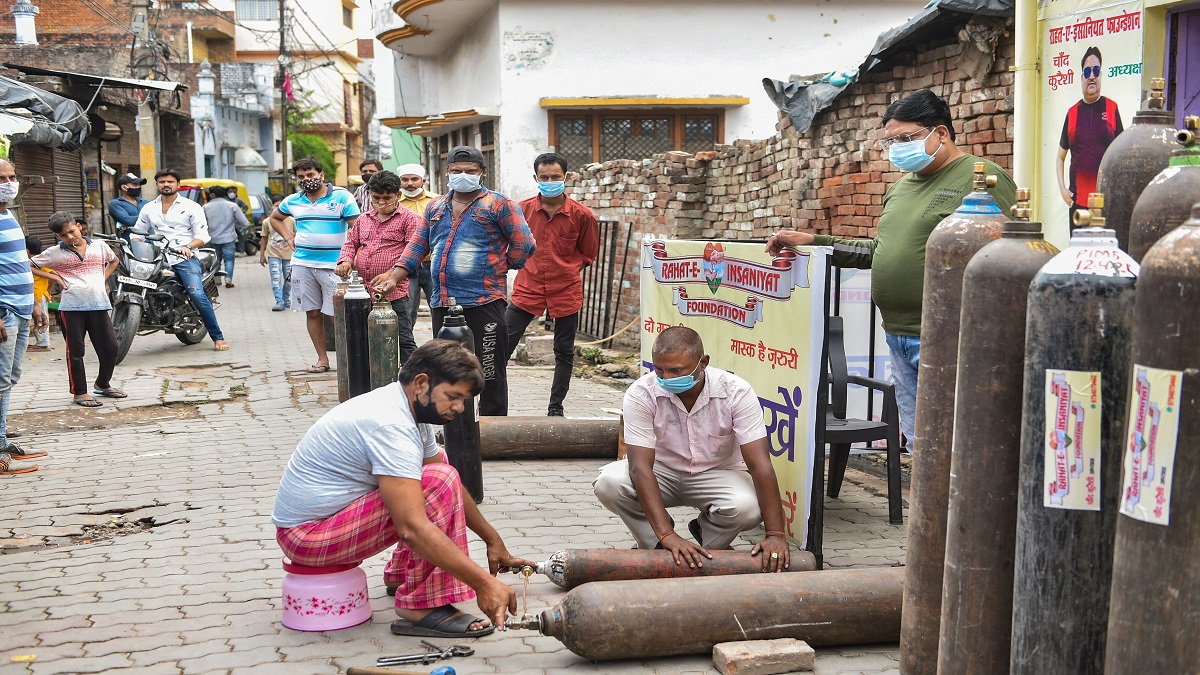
(828,180)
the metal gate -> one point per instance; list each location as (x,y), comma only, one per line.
(604,280)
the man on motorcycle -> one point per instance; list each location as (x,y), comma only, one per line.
(182,222)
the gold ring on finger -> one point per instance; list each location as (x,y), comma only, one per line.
(774,555)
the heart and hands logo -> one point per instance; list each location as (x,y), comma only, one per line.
(714,266)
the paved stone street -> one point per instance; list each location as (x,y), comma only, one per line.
(144,542)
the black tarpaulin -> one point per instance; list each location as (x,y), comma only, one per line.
(58,122)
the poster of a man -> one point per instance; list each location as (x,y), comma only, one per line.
(1089,128)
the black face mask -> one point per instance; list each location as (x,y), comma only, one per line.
(134,192)
(426,412)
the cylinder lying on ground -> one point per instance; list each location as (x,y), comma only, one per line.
(981,525)
(548,438)
(950,247)
(1167,200)
(1154,611)
(1134,158)
(667,617)
(1076,379)
(573,567)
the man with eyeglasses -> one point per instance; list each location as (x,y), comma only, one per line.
(376,242)
(475,236)
(1089,128)
(919,139)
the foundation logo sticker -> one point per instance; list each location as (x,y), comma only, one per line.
(714,266)
(1153,425)
(1072,452)
(787,271)
(744,316)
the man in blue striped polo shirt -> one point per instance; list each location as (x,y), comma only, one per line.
(16,301)
(323,213)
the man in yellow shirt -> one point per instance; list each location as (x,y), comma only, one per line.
(414,197)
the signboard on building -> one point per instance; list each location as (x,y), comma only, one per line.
(1091,87)
(761,318)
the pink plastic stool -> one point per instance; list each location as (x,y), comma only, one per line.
(324,598)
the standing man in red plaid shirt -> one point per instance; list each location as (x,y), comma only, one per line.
(550,281)
(376,242)
(476,236)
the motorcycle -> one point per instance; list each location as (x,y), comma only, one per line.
(148,296)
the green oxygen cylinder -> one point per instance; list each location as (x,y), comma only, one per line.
(383,334)
(339,329)
(358,360)
(462,432)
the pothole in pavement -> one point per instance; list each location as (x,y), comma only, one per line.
(321,385)
(86,419)
(95,526)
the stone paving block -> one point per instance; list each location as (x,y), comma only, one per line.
(178,653)
(74,666)
(125,645)
(235,660)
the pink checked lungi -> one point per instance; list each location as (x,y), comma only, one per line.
(365,528)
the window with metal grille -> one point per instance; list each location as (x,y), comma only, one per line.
(258,10)
(584,137)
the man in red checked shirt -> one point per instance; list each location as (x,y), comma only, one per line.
(568,240)
(374,245)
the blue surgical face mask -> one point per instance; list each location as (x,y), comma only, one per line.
(678,385)
(551,188)
(464,182)
(911,156)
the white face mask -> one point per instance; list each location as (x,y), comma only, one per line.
(414,193)
(8,191)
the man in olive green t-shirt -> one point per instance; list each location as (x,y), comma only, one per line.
(919,138)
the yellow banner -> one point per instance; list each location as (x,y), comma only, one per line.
(1072,459)
(1153,429)
(761,318)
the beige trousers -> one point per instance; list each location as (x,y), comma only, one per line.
(726,499)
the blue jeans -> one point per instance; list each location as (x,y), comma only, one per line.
(12,353)
(906,355)
(226,252)
(281,279)
(192,280)
(421,280)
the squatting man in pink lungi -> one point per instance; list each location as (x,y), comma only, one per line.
(368,475)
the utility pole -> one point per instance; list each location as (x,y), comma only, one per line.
(147,119)
(283,72)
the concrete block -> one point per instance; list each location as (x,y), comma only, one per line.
(763,657)
(539,349)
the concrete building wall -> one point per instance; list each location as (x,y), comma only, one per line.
(670,49)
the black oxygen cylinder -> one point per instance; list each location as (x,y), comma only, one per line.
(462,433)
(981,537)
(1077,341)
(358,346)
(1154,612)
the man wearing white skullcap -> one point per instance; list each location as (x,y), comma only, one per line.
(414,197)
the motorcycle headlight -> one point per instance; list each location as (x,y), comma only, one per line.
(141,270)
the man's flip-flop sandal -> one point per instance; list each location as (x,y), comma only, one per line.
(111,392)
(4,467)
(445,621)
(318,368)
(88,402)
(17,452)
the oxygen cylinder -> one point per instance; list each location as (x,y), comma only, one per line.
(574,567)
(981,525)
(667,617)
(1077,340)
(462,433)
(1134,158)
(1154,612)
(548,438)
(358,349)
(949,248)
(1167,200)
(383,333)
(339,329)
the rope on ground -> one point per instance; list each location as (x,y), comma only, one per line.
(610,337)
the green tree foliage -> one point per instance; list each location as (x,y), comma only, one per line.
(308,145)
